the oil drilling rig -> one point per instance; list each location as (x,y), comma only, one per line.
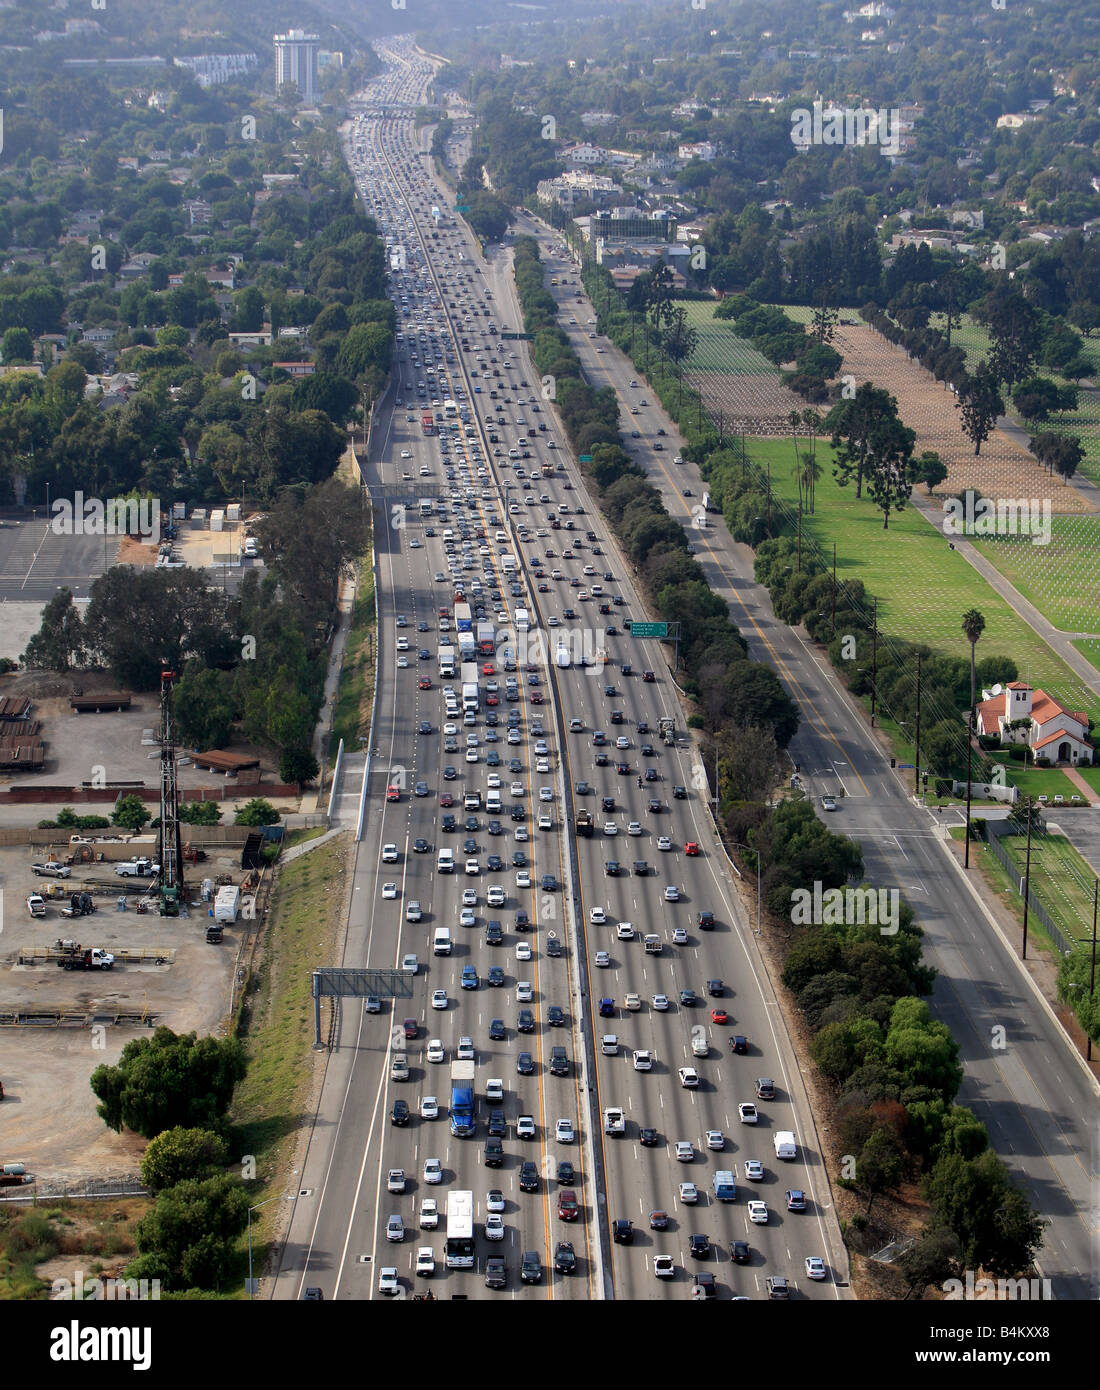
(169,847)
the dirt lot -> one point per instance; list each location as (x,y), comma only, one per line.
(49,1113)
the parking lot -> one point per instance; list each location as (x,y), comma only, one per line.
(35,563)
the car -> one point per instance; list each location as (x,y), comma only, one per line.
(467,918)
(663,842)
(688,998)
(597,916)
(524,991)
(525,1127)
(603,959)
(494,1226)
(699,1246)
(648,677)
(399,1115)
(765,1088)
(777,1286)
(689,1194)
(563,1132)
(429,1214)
(679,936)
(433,1171)
(530,1271)
(496,1273)
(739,1043)
(643,1059)
(555,1016)
(746,1113)
(796,1200)
(664,1267)
(647,1136)
(421,846)
(691,849)
(389,890)
(497,1032)
(494,1200)
(660,1003)
(387,1280)
(494,1089)
(622,1231)
(436,1051)
(610,828)
(523,878)
(685,1151)
(740,1252)
(689,1077)
(389,854)
(464,1052)
(439,998)
(758,1213)
(828,803)
(632,1002)
(754,1170)
(528,1176)
(719,1016)
(429,1108)
(715,1139)
(525,1065)
(613,870)
(568,1210)
(395,1228)
(624,931)
(815,1267)
(565,1259)
(372,1004)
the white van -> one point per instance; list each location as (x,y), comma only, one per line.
(446,861)
(492,803)
(442,942)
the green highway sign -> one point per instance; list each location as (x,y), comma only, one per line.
(520,337)
(649,629)
(584,458)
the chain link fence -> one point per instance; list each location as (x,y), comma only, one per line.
(995,830)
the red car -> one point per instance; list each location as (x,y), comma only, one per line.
(488,669)
(410,1027)
(719,1016)
(492,700)
(392,793)
(691,849)
(544,588)
(424,683)
(648,677)
(446,799)
(536,697)
(567,1204)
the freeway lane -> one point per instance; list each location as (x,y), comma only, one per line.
(1034,1095)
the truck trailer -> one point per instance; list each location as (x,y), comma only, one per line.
(462,1099)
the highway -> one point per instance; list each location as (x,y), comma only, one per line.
(493,508)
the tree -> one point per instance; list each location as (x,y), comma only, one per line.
(889,466)
(973,625)
(981,403)
(59,642)
(177,1155)
(17,345)
(929,469)
(748,762)
(1015,332)
(995,1225)
(130,812)
(192,1230)
(258,811)
(200,813)
(204,707)
(1039,397)
(1061,453)
(297,764)
(880,1166)
(168,1080)
(825,318)
(852,423)
(932,1258)
(681,341)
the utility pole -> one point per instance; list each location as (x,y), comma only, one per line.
(874,661)
(1092,967)
(799,569)
(1027,878)
(969,752)
(834,588)
(916,751)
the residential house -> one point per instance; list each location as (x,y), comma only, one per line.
(1019,714)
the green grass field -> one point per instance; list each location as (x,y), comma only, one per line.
(1060,879)
(1092,776)
(1037,781)
(923,588)
(1089,647)
(1061,579)
(719,348)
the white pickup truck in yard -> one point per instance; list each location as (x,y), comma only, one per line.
(137,868)
(51,869)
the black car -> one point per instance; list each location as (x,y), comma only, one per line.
(651,774)
(609,691)
(600,760)
(549,883)
(522,921)
(514,765)
(654,805)
(716,989)
(421,846)
(705,920)
(583,789)
(472,823)
(553,945)
(494,1153)
(612,869)
(496,1030)
(641,868)
(497,1126)
(622,1231)
(699,1247)
(738,1043)
(565,1261)
(528,1176)
(740,1253)
(530,1271)
(495,828)
(525,1064)
(702,1282)
(494,863)
(449,823)
(518,813)
(679,794)
(423,727)
(526,1021)
(559,1062)
(496,1273)
(469,847)
(400,1113)
(647,1137)
(519,859)
(607,803)
(567,1174)
(616,716)
(494,936)
(687,996)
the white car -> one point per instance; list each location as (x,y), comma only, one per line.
(622,741)
(473,867)
(395,1228)
(439,998)
(409,962)
(433,1171)
(660,1003)
(516,790)
(495,896)
(610,828)
(436,1051)
(634,828)
(471,755)
(413,912)
(494,1200)
(563,1132)
(625,931)
(395,1180)
(494,1226)
(387,1280)
(525,1127)
(679,936)
(389,854)
(715,1139)
(597,916)
(389,890)
(672,894)
(546,794)
(429,1214)
(464,1052)
(494,1089)
(523,878)
(754,1170)
(689,1193)
(643,1059)
(663,1267)
(632,1002)
(815,1267)
(689,1077)
(663,842)
(524,991)
(523,950)
(429,1108)
(746,1113)
(493,781)
(603,959)
(758,1213)
(685,1151)
(466,917)
(402,644)
(469,897)
(425,1262)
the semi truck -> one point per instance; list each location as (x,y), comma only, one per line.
(466,647)
(463,619)
(446,663)
(486,639)
(523,620)
(462,1099)
(584,822)
(469,697)
(427,424)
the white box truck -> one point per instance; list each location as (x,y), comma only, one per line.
(785,1146)
(227,903)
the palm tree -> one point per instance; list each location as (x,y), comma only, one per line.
(973,625)
(812,470)
(794,420)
